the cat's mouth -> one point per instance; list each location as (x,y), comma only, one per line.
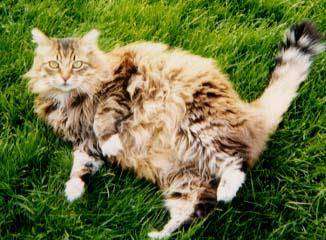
(65,87)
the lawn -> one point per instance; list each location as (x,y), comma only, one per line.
(285,194)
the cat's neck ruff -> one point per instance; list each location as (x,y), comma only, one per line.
(65,99)
(61,98)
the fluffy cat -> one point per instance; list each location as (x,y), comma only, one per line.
(171,116)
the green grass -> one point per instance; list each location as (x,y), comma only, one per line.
(285,194)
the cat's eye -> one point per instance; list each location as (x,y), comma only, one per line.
(77,64)
(54,64)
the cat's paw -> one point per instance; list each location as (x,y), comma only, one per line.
(158,235)
(75,188)
(229,185)
(112,146)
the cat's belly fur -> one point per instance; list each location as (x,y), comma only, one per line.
(188,117)
(156,154)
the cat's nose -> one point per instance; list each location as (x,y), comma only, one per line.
(65,78)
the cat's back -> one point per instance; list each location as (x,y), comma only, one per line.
(165,57)
(178,70)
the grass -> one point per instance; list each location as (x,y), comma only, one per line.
(285,194)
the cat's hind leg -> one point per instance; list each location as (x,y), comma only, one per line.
(187,198)
(181,212)
(83,165)
(231,177)
(230,183)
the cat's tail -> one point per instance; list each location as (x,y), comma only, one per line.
(301,44)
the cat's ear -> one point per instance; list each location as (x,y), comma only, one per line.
(89,40)
(39,37)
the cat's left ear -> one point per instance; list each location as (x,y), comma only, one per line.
(40,38)
(89,40)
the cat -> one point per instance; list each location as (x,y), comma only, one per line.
(170,115)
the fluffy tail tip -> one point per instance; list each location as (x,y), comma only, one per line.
(305,37)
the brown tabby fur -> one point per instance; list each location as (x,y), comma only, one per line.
(181,124)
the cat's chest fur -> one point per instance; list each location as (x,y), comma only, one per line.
(72,118)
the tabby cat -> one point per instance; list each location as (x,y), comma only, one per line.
(171,116)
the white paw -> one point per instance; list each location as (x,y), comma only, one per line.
(112,146)
(158,235)
(229,185)
(74,189)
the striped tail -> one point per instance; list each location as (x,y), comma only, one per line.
(302,43)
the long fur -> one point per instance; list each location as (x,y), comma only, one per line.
(171,116)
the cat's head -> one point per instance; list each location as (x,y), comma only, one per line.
(66,64)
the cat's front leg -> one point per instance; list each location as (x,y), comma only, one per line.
(83,165)
(109,116)
(112,146)
(107,134)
